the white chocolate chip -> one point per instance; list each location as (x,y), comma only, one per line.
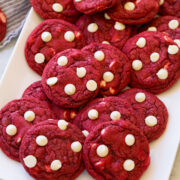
(115,115)
(129,139)
(173,49)
(112,90)
(69,89)
(62,124)
(57,7)
(106,16)
(93,114)
(137,65)
(3,17)
(46,36)
(30,161)
(91,85)
(85,132)
(62,61)
(73,114)
(102,83)
(39,58)
(56,165)
(161,2)
(19,140)
(151,121)
(41,140)
(103,131)
(93,27)
(69,36)
(173,24)
(76,146)
(162,74)
(152,28)
(105,42)
(119,26)
(140,97)
(52,81)
(154,57)
(129,6)
(141,43)
(128,165)
(11,130)
(29,116)
(108,76)
(102,150)
(177,41)
(99,55)
(81,72)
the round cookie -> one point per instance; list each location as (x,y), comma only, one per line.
(92,7)
(137,12)
(3,22)
(102,110)
(71,79)
(53,150)
(49,38)
(115,67)
(155,61)
(151,113)
(58,9)
(16,118)
(167,24)
(170,7)
(35,90)
(116,150)
(100,28)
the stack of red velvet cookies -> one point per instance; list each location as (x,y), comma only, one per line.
(79,115)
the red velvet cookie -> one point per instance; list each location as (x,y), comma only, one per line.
(35,90)
(155,61)
(151,113)
(92,7)
(115,67)
(16,118)
(116,150)
(2,25)
(49,38)
(167,24)
(103,110)
(53,150)
(170,7)
(58,9)
(134,12)
(100,28)
(71,79)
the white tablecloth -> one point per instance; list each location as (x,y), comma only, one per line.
(4,58)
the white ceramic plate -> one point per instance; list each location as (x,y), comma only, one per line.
(18,76)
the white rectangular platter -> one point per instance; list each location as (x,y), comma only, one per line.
(18,76)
